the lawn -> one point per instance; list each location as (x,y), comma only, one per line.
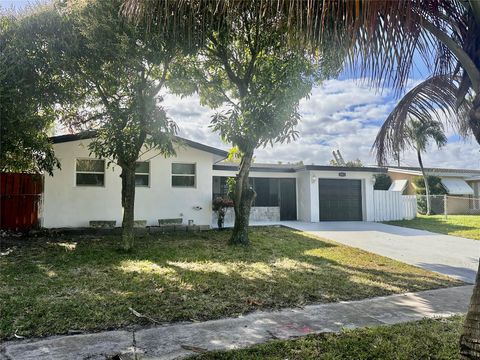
(85,283)
(467,226)
(427,339)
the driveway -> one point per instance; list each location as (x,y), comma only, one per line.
(449,255)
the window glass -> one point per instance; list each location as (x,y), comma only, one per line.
(142,173)
(141,180)
(90,179)
(188,169)
(142,167)
(267,191)
(85,165)
(183,181)
(90,172)
(183,175)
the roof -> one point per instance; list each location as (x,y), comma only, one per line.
(473,178)
(291,168)
(436,171)
(91,134)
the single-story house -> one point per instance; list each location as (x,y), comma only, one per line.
(88,189)
(462,185)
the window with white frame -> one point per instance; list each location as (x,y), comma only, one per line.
(90,172)
(183,175)
(142,173)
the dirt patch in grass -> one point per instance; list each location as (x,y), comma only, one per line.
(87,284)
(427,339)
(467,226)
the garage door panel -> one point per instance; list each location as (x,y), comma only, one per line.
(340,199)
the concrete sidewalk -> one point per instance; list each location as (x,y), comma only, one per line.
(181,339)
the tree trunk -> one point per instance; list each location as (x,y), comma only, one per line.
(128,204)
(474,118)
(242,202)
(470,339)
(425,180)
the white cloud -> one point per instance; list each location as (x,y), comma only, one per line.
(341,114)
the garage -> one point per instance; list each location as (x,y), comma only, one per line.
(340,199)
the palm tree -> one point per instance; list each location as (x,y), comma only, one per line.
(384,38)
(419,135)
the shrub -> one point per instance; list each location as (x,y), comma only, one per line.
(436,192)
(382,182)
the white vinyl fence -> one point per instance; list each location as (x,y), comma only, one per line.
(392,205)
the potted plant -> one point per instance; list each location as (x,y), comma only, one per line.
(220,206)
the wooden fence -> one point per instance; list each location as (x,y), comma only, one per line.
(20,196)
(392,205)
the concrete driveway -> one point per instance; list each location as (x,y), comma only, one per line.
(449,255)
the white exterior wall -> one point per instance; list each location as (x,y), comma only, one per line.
(368,206)
(304,204)
(308,206)
(66,205)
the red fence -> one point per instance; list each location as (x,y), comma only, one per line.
(19,200)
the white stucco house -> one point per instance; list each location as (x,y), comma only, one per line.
(87,189)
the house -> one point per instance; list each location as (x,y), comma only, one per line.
(88,189)
(462,185)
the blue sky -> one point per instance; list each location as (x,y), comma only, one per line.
(17,4)
(342,114)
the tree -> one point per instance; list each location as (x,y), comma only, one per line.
(119,71)
(29,90)
(246,69)
(419,134)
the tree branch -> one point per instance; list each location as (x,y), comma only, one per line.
(166,64)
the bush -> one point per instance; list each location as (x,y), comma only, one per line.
(436,194)
(434,182)
(220,203)
(382,182)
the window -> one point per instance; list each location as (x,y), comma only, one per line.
(183,175)
(142,173)
(220,186)
(90,172)
(267,191)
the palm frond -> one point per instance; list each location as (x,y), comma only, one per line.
(435,99)
(383,36)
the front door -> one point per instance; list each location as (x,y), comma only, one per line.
(288,199)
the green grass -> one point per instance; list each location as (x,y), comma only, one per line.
(467,226)
(422,340)
(50,287)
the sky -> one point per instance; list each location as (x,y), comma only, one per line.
(343,114)
(17,4)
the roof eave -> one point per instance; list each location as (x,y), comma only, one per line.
(91,134)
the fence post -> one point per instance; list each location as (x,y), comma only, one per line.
(445,202)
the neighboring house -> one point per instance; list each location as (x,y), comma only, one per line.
(460,185)
(183,186)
